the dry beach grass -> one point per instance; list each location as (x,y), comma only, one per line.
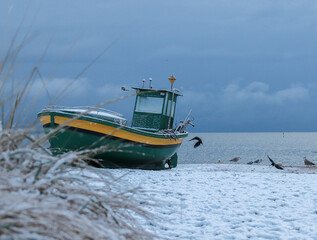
(55,197)
(49,197)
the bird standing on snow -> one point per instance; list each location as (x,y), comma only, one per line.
(307,162)
(258,161)
(236,159)
(278,166)
(199,141)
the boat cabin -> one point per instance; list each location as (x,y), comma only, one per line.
(154,109)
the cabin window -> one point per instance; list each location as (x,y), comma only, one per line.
(149,104)
(165,104)
(169,108)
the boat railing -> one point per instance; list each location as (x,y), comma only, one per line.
(87,108)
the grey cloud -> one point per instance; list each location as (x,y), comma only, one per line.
(234,96)
(78,92)
(259,92)
(202,42)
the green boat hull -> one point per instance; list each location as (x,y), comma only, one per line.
(126,147)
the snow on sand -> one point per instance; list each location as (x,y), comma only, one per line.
(231,201)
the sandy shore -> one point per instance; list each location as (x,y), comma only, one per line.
(230,201)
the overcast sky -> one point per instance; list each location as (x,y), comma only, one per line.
(241,65)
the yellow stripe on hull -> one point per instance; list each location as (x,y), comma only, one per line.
(46,119)
(108,130)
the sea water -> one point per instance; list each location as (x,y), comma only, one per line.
(286,148)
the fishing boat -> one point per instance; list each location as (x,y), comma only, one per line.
(151,142)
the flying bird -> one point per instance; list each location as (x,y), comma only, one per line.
(236,159)
(307,162)
(278,166)
(199,141)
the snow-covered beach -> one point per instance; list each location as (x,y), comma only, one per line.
(230,201)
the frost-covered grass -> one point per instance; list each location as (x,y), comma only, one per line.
(48,197)
(54,197)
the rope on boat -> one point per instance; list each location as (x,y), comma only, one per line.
(170,133)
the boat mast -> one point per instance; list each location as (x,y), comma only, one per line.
(172,80)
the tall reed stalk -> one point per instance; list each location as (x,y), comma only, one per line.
(56,197)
